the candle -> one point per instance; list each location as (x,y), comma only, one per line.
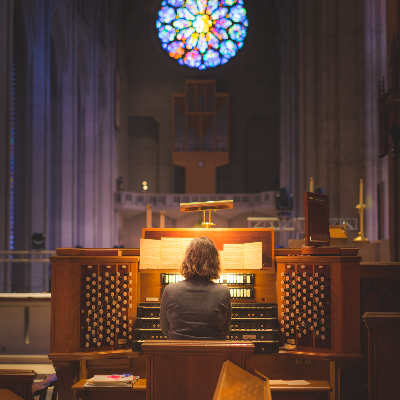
(361,192)
(311,185)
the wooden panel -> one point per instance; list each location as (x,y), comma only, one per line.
(74,298)
(278,366)
(380,292)
(383,355)
(351,319)
(59,308)
(180,369)
(220,236)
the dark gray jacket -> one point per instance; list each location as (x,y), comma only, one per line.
(196,309)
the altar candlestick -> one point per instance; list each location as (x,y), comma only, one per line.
(311,185)
(361,191)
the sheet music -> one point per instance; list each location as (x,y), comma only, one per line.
(233,256)
(221,259)
(185,244)
(150,254)
(290,383)
(171,253)
(253,255)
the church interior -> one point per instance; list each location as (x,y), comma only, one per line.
(115,113)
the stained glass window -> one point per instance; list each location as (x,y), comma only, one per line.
(202,33)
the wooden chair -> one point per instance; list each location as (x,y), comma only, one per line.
(189,370)
(235,383)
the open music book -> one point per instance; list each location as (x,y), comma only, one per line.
(168,253)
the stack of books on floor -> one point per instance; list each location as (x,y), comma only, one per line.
(115,380)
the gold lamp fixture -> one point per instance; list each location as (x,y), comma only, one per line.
(207,206)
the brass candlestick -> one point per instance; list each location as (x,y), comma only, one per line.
(361,207)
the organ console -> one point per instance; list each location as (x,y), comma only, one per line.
(93,299)
(104,305)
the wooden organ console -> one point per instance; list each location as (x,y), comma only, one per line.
(104,306)
(94,296)
(319,290)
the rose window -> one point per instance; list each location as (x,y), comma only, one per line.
(202,33)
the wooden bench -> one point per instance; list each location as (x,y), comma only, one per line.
(286,390)
(317,390)
(136,392)
(18,381)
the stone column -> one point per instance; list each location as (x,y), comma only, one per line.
(6,44)
(341,57)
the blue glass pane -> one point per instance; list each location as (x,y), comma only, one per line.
(202,6)
(166,33)
(237,32)
(228,2)
(167,15)
(223,23)
(192,41)
(228,49)
(176,3)
(193,59)
(212,6)
(181,23)
(237,14)
(185,34)
(185,14)
(175,49)
(212,58)
(191,5)
(202,44)
(212,40)
(220,13)
(220,33)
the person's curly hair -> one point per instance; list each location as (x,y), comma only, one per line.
(201,260)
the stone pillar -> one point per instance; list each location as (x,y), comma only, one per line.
(289,98)
(341,57)
(6,44)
